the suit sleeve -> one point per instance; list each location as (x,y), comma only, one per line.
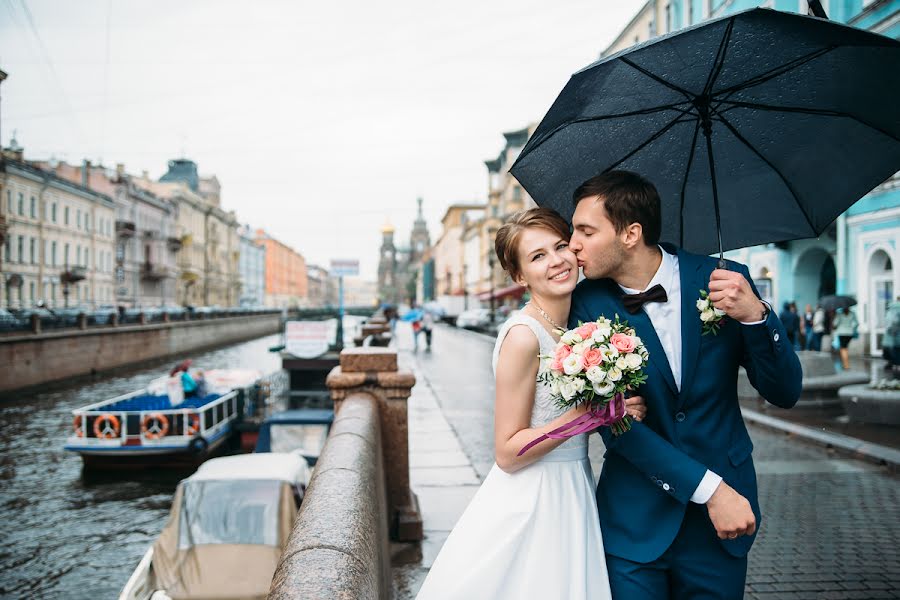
(772,365)
(674,472)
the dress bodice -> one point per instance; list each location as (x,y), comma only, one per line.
(544,408)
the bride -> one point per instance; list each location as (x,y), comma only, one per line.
(532,529)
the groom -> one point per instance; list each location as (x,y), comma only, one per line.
(677,494)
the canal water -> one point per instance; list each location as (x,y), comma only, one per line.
(69,535)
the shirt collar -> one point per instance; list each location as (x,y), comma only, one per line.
(662,277)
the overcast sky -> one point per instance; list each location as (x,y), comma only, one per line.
(321,120)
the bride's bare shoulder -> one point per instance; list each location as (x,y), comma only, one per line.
(520,343)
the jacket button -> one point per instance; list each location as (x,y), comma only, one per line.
(659,482)
(776,337)
(679,417)
(666,486)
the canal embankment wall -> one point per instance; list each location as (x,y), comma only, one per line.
(34,359)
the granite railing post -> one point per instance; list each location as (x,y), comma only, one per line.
(374,370)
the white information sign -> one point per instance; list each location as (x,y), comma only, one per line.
(307,339)
(344,268)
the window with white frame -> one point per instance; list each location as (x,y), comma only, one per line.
(33,208)
(21,249)
(33,248)
(66,216)
(21,204)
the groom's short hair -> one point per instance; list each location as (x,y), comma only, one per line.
(628,198)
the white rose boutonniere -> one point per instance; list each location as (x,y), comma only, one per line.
(711,317)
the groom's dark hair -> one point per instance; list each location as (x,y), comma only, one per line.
(628,198)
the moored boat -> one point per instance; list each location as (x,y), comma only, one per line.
(158,426)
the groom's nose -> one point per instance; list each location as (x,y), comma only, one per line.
(574,243)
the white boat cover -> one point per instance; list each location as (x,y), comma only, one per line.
(228,525)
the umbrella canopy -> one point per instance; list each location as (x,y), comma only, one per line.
(836,302)
(414,314)
(763,126)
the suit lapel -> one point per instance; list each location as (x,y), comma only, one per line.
(644,329)
(692,281)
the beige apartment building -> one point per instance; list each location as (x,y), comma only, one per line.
(450,269)
(209,255)
(59,242)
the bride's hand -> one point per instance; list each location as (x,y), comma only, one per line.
(636,408)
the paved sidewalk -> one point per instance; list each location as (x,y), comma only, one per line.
(830,523)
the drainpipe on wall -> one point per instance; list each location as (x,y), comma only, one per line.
(841,266)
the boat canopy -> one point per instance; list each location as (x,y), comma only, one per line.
(280,466)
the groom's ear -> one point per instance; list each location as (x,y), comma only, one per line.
(632,235)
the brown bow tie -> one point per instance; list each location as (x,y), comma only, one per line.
(634,302)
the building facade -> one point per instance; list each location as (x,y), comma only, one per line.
(286,277)
(451,273)
(59,241)
(858,254)
(252,268)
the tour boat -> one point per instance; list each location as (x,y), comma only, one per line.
(227,528)
(158,426)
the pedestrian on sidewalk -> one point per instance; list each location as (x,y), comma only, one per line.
(427,326)
(791,322)
(808,335)
(845,327)
(819,328)
(890,343)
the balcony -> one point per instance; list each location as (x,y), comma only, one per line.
(125,228)
(153,271)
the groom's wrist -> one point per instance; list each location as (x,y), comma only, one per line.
(706,488)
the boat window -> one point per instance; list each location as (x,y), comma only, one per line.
(309,439)
(229,512)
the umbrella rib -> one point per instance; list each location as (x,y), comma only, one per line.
(775,72)
(657,78)
(784,179)
(658,134)
(720,58)
(687,173)
(807,111)
(558,128)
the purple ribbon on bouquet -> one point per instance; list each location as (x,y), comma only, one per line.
(613,411)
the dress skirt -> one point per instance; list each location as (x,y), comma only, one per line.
(533,534)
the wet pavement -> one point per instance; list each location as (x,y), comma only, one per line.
(829,527)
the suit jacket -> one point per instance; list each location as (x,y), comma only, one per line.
(650,473)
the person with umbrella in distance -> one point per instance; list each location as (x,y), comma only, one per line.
(845,327)
(890,343)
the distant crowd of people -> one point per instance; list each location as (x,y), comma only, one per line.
(805,331)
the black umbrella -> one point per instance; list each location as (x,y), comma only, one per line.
(789,119)
(836,302)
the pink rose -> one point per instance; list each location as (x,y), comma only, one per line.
(586,330)
(556,365)
(623,343)
(562,352)
(592,357)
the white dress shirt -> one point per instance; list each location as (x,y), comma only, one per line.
(666,320)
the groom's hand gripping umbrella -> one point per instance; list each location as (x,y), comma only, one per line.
(758,127)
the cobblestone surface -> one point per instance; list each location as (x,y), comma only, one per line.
(830,525)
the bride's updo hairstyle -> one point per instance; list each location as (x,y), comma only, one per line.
(506,244)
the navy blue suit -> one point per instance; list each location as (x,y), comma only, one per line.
(650,473)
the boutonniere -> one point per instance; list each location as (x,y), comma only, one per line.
(711,317)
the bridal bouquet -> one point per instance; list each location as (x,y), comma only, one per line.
(594,364)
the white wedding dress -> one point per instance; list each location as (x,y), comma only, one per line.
(529,534)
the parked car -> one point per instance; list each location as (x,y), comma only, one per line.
(9,321)
(474,319)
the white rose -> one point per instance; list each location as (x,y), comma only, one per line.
(621,363)
(579,385)
(608,352)
(573,364)
(596,374)
(604,389)
(567,389)
(579,347)
(598,336)
(614,374)
(719,313)
(554,386)
(701,304)
(570,338)
(633,361)
(707,315)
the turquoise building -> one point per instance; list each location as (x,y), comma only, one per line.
(859,254)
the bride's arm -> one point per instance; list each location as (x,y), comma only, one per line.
(517,368)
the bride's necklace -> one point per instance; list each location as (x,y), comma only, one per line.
(545,315)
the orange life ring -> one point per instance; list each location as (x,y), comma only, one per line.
(76,423)
(193,423)
(160,426)
(106,427)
